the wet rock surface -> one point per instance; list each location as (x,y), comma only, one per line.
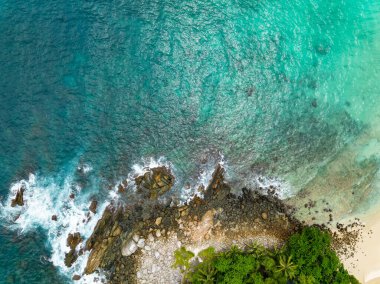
(122,186)
(93,206)
(76,277)
(73,240)
(217,186)
(106,236)
(155,182)
(19,198)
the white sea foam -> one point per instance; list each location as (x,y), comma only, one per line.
(43,198)
(203,179)
(85,168)
(281,188)
(149,163)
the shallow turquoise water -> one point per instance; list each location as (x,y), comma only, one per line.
(276,87)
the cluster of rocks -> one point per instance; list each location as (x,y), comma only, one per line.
(214,222)
(154,264)
(155,182)
(130,246)
(73,240)
(133,242)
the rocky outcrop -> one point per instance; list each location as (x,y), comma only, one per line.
(124,233)
(95,258)
(93,206)
(115,237)
(217,186)
(19,198)
(106,232)
(113,233)
(122,186)
(155,182)
(73,240)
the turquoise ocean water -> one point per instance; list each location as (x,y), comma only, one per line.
(93,91)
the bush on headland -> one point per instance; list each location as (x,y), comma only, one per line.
(306,258)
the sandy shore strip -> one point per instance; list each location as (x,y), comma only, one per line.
(366,264)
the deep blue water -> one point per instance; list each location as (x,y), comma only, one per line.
(276,87)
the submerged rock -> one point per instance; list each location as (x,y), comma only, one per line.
(19,198)
(155,182)
(314,103)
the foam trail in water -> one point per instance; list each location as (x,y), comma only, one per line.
(43,198)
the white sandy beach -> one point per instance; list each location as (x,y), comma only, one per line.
(366,264)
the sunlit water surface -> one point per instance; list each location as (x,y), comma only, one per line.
(281,92)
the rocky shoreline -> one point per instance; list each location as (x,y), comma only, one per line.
(135,243)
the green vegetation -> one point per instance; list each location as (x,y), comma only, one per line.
(306,258)
(182,258)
